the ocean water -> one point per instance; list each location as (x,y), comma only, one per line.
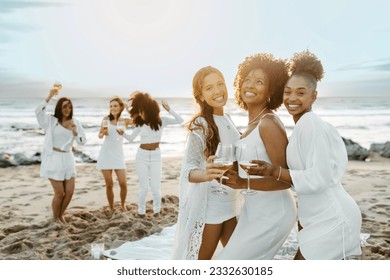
(364,120)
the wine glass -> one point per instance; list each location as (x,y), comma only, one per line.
(244,155)
(364,236)
(121,125)
(105,124)
(58,86)
(224,161)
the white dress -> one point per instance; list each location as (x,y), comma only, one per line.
(111,153)
(331,219)
(266,218)
(194,198)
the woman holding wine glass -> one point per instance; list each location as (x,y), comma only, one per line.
(57,160)
(266,218)
(111,156)
(317,158)
(207,213)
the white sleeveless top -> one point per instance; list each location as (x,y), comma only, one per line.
(111,153)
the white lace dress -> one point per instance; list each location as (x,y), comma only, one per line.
(193,198)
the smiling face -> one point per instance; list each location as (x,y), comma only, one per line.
(255,88)
(115,108)
(66,109)
(214,92)
(299,96)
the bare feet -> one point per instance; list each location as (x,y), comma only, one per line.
(63,220)
(123,208)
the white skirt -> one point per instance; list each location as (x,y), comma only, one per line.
(219,208)
(58,166)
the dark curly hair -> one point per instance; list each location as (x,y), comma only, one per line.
(151,111)
(276,71)
(137,99)
(143,102)
(205,110)
(306,64)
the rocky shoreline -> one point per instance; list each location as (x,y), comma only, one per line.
(355,152)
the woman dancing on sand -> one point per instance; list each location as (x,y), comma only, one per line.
(317,160)
(57,160)
(205,218)
(266,218)
(145,113)
(111,156)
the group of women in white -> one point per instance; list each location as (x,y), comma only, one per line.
(61,130)
(255,224)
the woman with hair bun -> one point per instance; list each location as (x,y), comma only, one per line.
(330,219)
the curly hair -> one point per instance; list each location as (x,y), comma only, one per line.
(121,104)
(276,71)
(137,99)
(306,64)
(205,110)
(143,102)
(151,112)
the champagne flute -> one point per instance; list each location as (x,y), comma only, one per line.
(224,161)
(58,86)
(245,164)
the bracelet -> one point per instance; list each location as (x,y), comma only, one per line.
(280,173)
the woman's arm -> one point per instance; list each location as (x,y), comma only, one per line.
(133,135)
(80,136)
(40,110)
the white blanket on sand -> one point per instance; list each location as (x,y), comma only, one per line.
(159,247)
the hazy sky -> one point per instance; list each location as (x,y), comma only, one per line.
(113,47)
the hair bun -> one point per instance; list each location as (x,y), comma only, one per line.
(306,62)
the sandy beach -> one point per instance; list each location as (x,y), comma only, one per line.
(27,231)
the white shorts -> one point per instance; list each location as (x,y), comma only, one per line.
(58,166)
(220,208)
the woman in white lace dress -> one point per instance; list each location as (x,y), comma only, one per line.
(205,218)
(317,159)
(266,218)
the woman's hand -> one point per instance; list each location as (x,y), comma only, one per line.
(211,171)
(262,168)
(52,93)
(165,105)
(73,128)
(234,181)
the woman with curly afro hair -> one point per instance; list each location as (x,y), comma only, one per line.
(330,219)
(266,218)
